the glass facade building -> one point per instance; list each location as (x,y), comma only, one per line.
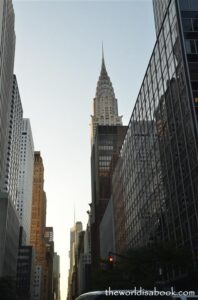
(158,163)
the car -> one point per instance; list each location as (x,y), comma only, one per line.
(124,294)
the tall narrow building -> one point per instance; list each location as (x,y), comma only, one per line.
(105,106)
(7,51)
(38,219)
(25,179)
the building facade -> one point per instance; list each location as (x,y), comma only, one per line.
(25,178)
(25,270)
(159,157)
(9,236)
(7,50)
(13,145)
(107,232)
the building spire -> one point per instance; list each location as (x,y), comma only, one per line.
(103,68)
(102,53)
(105,103)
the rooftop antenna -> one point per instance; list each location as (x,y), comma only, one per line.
(74,214)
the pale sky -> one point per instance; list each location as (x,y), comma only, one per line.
(57,64)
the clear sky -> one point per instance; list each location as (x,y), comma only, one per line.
(57,64)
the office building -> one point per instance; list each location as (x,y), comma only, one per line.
(25,178)
(159,157)
(7,51)
(13,145)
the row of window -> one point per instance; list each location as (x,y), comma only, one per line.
(191,46)
(190,24)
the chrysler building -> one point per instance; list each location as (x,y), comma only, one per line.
(105,107)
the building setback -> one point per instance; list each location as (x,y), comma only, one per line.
(7,51)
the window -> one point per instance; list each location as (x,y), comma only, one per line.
(190,46)
(187,25)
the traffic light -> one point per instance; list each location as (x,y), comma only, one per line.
(110,261)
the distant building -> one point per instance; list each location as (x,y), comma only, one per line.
(84,262)
(7,51)
(37,283)
(56,276)
(107,137)
(72,278)
(48,273)
(9,237)
(13,145)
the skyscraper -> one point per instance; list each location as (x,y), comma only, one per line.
(107,137)
(7,50)
(105,107)
(25,179)
(38,219)
(13,145)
